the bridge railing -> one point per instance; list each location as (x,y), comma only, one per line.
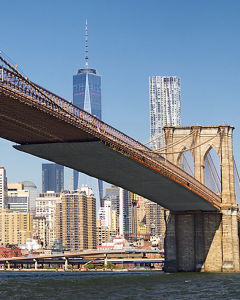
(45,97)
(12,80)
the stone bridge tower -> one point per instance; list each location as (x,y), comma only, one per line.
(199,240)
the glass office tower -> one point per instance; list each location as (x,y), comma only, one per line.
(87,91)
(52,178)
(87,96)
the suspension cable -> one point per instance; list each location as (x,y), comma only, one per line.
(184,150)
(188,164)
(235,166)
(211,173)
(155,138)
(8,58)
(172,144)
(33,85)
(210,156)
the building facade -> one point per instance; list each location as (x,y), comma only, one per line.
(10,252)
(87,96)
(3,188)
(76,220)
(130,216)
(107,214)
(40,230)
(91,221)
(52,178)
(103,234)
(155,219)
(15,227)
(31,188)
(112,209)
(46,208)
(141,203)
(165,106)
(113,194)
(18,198)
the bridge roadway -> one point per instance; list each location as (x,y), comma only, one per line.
(116,256)
(47,126)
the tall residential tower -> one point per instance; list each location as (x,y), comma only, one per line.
(165,108)
(87,96)
(76,219)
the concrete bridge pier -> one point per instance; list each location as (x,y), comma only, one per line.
(202,241)
(230,239)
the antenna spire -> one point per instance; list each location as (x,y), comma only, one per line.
(86,46)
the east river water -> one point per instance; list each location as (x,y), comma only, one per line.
(134,285)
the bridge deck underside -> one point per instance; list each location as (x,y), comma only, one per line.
(52,135)
(23,123)
(99,160)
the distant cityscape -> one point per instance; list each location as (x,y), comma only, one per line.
(55,221)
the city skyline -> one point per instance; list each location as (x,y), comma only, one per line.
(177,41)
(194,53)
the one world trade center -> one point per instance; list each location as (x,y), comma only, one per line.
(87,96)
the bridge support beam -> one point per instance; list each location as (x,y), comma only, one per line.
(202,241)
(105,260)
(65,263)
(35,264)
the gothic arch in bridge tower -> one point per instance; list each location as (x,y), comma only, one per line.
(185,161)
(212,170)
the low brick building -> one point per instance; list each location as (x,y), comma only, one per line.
(10,252)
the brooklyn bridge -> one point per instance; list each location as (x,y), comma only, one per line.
(202,228)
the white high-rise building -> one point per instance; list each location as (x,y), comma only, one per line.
(165,106)
(108,213)
(3,188)
(86,190)
(46,207)
(101,216)
(33,194)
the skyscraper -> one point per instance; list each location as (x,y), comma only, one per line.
(87,96)
(52,178)
(165,108)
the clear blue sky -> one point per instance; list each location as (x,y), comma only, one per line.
(129,40)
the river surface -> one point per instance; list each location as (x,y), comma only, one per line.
(131,285)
